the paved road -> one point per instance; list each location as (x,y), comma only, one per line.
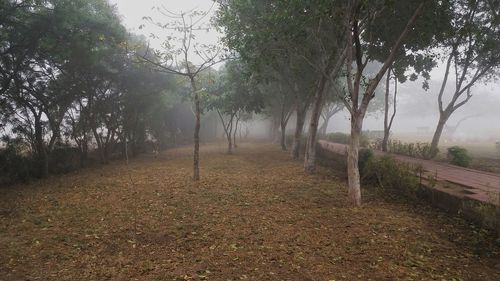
(468,183)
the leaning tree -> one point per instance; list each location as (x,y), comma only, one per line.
(471,51)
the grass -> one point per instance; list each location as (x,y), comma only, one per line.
(254,216)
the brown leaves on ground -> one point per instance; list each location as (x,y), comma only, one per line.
(254,216)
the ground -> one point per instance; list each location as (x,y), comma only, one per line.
(254,216)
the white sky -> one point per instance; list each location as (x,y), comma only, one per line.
(412,98)
(133,11)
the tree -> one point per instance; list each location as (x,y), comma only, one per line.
(233,96)
(300,41)
(63,33)
(177,60)
(367,26)
(471,49)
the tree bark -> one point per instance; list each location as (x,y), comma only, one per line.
(196,150)
(299,128)
(229,136)
(352,162)
(236,130)
(310,156)
(283,136)
(324,126)
(443,117)
(43,159)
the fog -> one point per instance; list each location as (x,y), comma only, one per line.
(417,109)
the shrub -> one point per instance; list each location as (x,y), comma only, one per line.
(497,145)
(364,158)
(392,176)
(63,159)
(418,149)
(14,165)
(458,156)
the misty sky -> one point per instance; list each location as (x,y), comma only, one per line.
(416,107)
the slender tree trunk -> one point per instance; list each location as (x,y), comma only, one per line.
(299,128)
(235,131)
(324,126)
(84,154)
(385,140)
(283,136)
(310,156)
(196,151)
(352,162)
(230,136)
(443,117)
(43,159)
(275,130)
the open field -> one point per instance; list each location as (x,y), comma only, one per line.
(254,216)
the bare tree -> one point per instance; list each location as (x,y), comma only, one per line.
(178,60)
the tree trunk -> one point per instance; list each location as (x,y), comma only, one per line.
(352,162)
(84,153)
(443,117)
(386,111)
(43,159)
(196,151)
(283,136)
(229,139)
(324,126)
(275,132)
(299,128)
(235,131)
(310,156)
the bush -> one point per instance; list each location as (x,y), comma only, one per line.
(364,158)
(63,159)
(392,176)
(344,139)
(418,149)
(14,165)
(497,145)
(458,156)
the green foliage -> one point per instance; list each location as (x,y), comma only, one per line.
(392,176)
(364,158)
(459,156)
(418,150)
(15,166)
(497,146)
(344,139)
(64,159)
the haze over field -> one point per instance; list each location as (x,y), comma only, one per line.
(416,107)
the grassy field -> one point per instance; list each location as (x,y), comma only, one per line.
(254,216)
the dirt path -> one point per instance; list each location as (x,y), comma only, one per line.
(473,184)
(253,216)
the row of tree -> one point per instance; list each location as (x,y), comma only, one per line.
(320,53)
(70,78)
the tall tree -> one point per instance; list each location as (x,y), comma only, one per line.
(367,26)
(178,59)
(471,55)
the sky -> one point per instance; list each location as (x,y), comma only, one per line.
(416,107)
(133,11)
